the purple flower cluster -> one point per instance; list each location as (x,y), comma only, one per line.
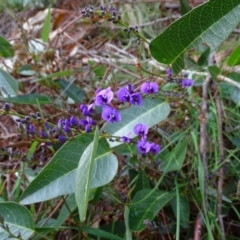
(187,83)
(66,128)
(143,146)
(127,94)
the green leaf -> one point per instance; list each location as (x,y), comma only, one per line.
(203,60)
(83,178)
(72,91)
(184,7)
(57,176)
(8,83)
(184,210)
(6,49)
(30,98)
(46,27)
(147,209)
(210,23)
(176,157)
(18,219)
(100,233)
(234,58)
(150,113)
(214,71)
(126,220)
(105,166)
(141,182)
(235,95)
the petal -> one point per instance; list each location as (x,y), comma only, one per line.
(145,87)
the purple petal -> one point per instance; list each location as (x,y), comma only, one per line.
(136,99)
(155,148)
(126,139)
(124,95)
(110,114)
(169,72)
(140,129)
(187,83)
(73,121)
(62,138)
(143,146)
(104,97)
(149,87)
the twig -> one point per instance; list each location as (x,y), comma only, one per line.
(221,159)
(203,130)
(197,227)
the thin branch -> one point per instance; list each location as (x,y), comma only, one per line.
(203,130)
(221,159)
(197,227)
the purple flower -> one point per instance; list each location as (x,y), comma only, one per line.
(155,148)
(62,138)
(73,121)
(67,123)
(187,83)
(88,123)
(104,97)
(169,72)
(149,87)
(87,110)
(30,129)
(110,114)
(143,146)
(126,139)
(66,128)
(43,134)
(6,107)
(140,129)
(136,99)
(46,125)
(124,95)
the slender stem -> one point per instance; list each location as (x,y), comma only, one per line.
(221,159)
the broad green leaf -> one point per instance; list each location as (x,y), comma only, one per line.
(46,27)
(72,91)
(83,178)
(49,183)
(210,23)
(184,210)
(104,168)
(150,113)
(184,7)
(8,83)
(176,157)
(58,177)
(126,220)
(100,233)
(18,219)
(30,98)
(6,49)
(147,209)
(141,182)
(234,58)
